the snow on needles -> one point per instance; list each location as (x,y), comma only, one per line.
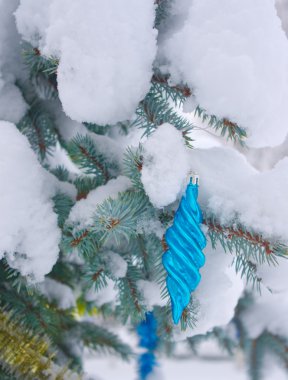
(165,165)
(60,293)
(232,190)
(82,212)
(29,235)
(106,51)
(234,54)
(116,264)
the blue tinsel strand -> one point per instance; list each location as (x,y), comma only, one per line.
(147,331)
(184,257)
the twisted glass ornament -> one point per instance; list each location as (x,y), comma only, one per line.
(147,331)
(184,256)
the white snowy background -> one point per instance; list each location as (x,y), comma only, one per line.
(234,54)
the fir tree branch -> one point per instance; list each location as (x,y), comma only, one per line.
(225,341)
(86,241)
(251,244)
(155,110)
(133,164)
(85,184)
(164,322)
(96,274)
(62,206)
(250,249)
(247,269)
(116,218)
(177,93)
(39,315)
(4,375)
(42,71)
(67,272)
(257,348)
(131,302)
(98,129)
(226,127)
(262,345)
(83,152)
(61,173)
(189,315)
(37,62)
(99,339)
(39,128)
(162,11)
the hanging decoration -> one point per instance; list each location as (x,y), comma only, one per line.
(184,257)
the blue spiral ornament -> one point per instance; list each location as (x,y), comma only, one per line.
(184,256)
(147,332)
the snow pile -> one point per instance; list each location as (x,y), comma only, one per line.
(151,292)
(108,294)
(116,264)
(165,165)
(231,189)
(282,9)
(32,19)
(57,292)
(269,311)
(219,285)
(29,235)
(82,212)
(234,55)
(12,104)
(105,63)
(150,226)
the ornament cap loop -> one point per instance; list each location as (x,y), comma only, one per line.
(193,178)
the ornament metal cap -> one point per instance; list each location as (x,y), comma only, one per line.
(193,177)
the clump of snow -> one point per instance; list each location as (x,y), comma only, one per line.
(151,293)
(60,293)
(82,212)
(269,312)
(67,127)
(150,226)
(32,19)
(274,277)
(116,264)
(12,104)
(217,294)
(267,157)
(29,235)
(9,39)
(219,52)
(231,189)
(106,295)
(165,165)
(282,9)
(189,104)
(105,63)
(219,285)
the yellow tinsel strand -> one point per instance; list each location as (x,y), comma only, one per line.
(26,356)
